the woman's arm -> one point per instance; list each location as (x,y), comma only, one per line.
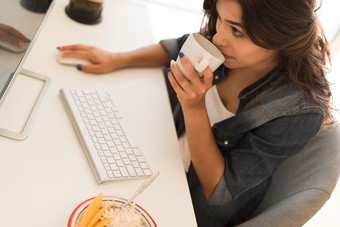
(206,158)
(104,61)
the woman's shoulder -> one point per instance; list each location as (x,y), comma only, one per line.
(277,96)
(285,93)
(173,46)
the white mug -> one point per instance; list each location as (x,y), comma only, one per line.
(196,47)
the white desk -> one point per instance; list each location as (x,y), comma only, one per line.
(44,177)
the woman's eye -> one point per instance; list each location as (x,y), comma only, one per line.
(236,32)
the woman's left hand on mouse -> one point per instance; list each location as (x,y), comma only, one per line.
(102,61)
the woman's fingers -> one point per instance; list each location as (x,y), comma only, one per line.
(75,47)
(189,68)
(75,54)
(178,75)
(192,73)
(76,51)
(208,77)
(174,83)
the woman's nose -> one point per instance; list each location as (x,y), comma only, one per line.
(219,39)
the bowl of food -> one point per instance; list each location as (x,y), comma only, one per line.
(107,211)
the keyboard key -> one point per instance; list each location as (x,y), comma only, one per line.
(139,171)
(113,167)
(131,170)
(123,171)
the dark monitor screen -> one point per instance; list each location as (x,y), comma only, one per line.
(20,21)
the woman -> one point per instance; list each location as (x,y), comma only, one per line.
(259,108)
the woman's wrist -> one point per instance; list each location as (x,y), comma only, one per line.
(194,108)
(121,60)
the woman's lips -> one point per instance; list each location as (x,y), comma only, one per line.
(227,56)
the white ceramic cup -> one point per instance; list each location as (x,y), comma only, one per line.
(196,47)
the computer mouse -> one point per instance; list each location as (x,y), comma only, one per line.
(71,61)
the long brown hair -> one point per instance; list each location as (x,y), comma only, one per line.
(292,28)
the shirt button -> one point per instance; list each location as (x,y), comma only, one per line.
(216,77)
(226,142)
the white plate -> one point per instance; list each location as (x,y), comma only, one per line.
(82,206)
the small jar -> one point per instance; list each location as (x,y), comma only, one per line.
(85,11)
(37,6)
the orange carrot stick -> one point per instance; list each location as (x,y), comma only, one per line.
(99,214)
(91,211)
(103,222)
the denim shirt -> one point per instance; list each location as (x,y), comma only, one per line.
(274,121)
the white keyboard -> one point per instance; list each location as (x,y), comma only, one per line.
(107,142)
